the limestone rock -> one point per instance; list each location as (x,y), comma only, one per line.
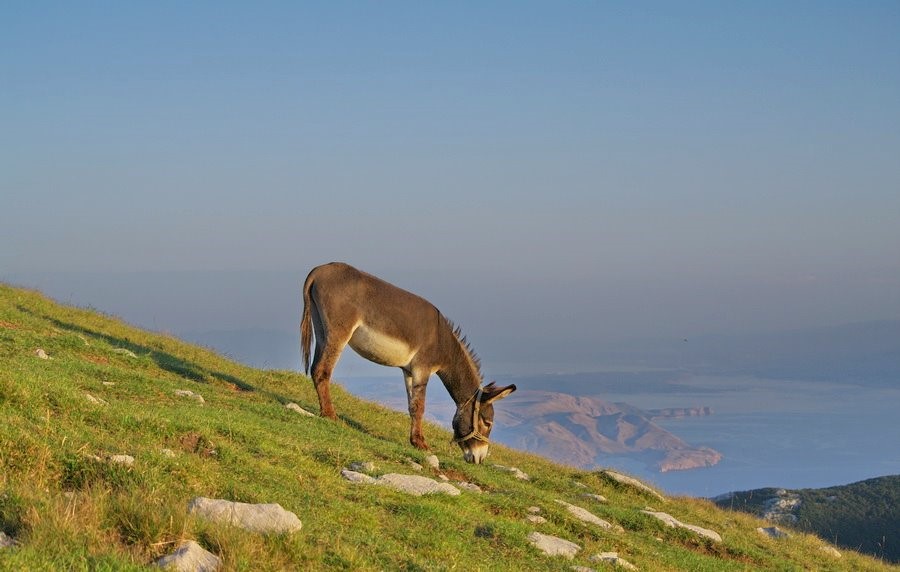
(632,482)
(296,408)
(190,394)
(772,532)
(190,557)
(124,352)
(534,509)
(553,546)
(673,522)
(589,517)
(613,558)
(41,353)
(582,569)
(415,466)
(362,466)
(830,551)
(6,541)
(94,400)
(167,453)
(598,498)
(515,472)
(263,518)
(433,462)
(535,519)
(126,460)
(357,477)
(471,487)
(416,485)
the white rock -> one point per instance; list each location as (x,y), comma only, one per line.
(125,352)
(6,541)
(589,517)
(263,518)
(534,509)
(296,408)
(94,400)
(416,485)
(830,550)
(673,522)
(471,487)
(190,557)
(126,460)
(612,558)
(432,461)
(535,519)
(772,532)
(167,453)
(515,472)
(416,466)
(598,498)
(632,482)
(582,569)
(444,478)
(108,383)
(41,353)
(553,546)
(357,477)
(362,466)
(190,394)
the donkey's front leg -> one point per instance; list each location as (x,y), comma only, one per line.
(415,395)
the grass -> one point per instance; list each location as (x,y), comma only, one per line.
(70,509)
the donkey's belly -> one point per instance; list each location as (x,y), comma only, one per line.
(380,348)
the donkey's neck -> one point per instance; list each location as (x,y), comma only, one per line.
(460,374)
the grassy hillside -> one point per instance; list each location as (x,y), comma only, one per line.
(109,389)
(864,515)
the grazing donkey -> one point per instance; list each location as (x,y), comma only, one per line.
(393,327)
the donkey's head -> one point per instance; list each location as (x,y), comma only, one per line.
(473,420)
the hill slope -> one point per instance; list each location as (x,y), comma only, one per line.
(863,516)
(108,389)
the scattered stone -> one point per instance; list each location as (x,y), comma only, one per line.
(613,558)
(263,518)
(534,509)
(126,460)
(598,498)
(414,465)
(444,478)
(6,541)
(590,517)
(782,507)
(362,466)
(632,482)
(553,546)
(124,352)
(673,522)
(41,353)
(582,569)
(830,551)
(471,487)
(416,485)
(168,453)
(296,408)
(95,400)
(580,484)
(515,472)
(432,462)
(190,394)
(109,383)
(535,519)
(190,557)
(357,477)
(772,532)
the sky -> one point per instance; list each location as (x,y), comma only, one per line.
(554,176)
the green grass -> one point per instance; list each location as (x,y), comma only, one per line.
(70,511)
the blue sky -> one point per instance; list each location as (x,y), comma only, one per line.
(541,171)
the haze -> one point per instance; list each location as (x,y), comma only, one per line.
(554,177)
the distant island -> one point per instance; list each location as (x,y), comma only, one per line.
(581,431)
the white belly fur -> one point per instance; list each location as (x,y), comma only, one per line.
(379,348)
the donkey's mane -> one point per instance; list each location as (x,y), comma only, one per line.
(464,344)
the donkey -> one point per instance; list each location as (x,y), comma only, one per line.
(396,328)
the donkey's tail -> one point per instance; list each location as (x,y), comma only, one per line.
(306,323)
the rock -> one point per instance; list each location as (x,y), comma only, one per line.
(95,400)
(582,569)
(589,517)
(356,477)
(414,465)
(167,453)
(108,383)
(444,478)
(263,518)
(534,509)
(362,466)
(552,545)
(432,462)
(612,558)
(515,472)
(190,394)
(830,551)
(41,353)
(125,352)
(598,498)
(296,408)
(416,485)
(772,532)
(126,460)
(673,522)
(471,487)
(632,482)
(6,541)
(535,519)
(781,507)
(190,557)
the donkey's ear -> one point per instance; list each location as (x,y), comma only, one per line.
(492,393)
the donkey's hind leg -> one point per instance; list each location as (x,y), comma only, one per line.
(328,350)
